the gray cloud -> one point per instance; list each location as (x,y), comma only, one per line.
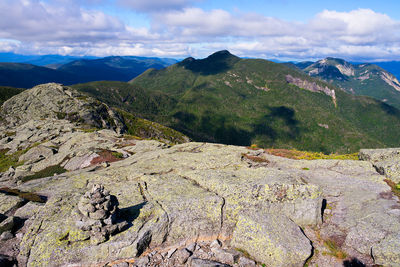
(154,6)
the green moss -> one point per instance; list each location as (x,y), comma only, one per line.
(61,115)
(118,155)
(6,161)
(88,129)
(49,171)
(10,133)
(83,97)
(150,130)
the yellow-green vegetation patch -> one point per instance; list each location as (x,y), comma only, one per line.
(6,161)
(395,187)
(297,154)
(89,129)
(334,250)
(49,171)
(147,129)
(118,155)
(10,133)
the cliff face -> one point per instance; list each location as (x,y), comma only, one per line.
(311,86)
(360,79)
(81,197)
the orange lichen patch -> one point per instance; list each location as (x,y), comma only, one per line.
(286,153)
(106,156)
(255,158)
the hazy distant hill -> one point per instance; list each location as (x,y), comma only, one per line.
(113,68)
(361,79)
(230,100)
(39,60)
(27,75)
(78,71)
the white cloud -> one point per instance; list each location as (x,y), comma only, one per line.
(181,30)
(220,23)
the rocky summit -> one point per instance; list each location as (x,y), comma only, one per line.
(72,196)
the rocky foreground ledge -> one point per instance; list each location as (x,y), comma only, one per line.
(201,204)
(79,196)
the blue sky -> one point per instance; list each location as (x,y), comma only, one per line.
(276,29)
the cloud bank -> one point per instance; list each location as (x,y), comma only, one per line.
(177,29)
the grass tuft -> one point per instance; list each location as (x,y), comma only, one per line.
(49,171)
(334,250)
(395,187)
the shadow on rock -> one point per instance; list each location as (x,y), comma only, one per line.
(129,214)
(353,263)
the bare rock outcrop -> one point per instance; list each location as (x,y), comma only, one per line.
(59,102)
(311,86)
(386,161)
(205,201)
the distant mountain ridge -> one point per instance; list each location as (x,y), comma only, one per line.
(40,60)
(360,79)
(113,68)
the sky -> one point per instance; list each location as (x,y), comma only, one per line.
(355,30)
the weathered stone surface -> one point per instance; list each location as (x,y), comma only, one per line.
(195,193)
(195,262)
(28,210)
(182,256)
(56,101)
(37,153)
(6,236)
(245,262)
(387,251)
(271,239)
(9,202)
(200,191)
(386,161)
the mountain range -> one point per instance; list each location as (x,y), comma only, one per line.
(359,79)
(230,100)
(115,68)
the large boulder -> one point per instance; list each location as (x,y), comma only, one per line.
(386,161)
(59,102)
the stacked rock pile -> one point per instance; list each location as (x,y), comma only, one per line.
(100,212)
